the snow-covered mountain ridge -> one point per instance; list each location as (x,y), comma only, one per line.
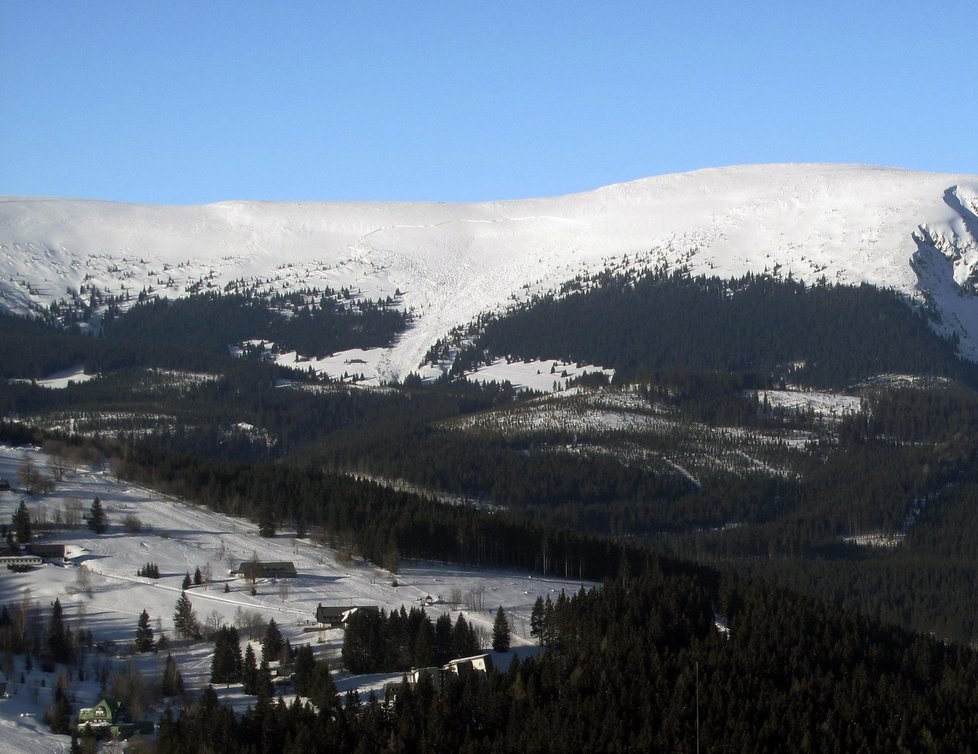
(914,232)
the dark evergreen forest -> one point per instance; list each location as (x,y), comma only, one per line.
(638,665)
(826,335)
(196,332)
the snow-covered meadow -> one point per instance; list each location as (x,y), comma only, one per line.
(100,591)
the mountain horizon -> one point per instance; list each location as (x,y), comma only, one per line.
(446,263)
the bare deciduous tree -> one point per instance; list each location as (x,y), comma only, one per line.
(58,462)
(28,474)
(83,579)
(250,622)
(476,599)
(73,513)
(132,688)
(455,597)
(212,624)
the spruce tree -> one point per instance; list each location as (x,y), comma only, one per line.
(443,639)
(22,524)
(500,632)
(185,621)
(536,620)
(97,520)
(363,641)
(186,581)
(423,649)
(249,673)
(198,577)
(58,714)
(226,661)
(323,691)
(266,521)
(144,633)
(172,684)
(305,668)
(264,688)
(271,645)
(464,641)
(59,638)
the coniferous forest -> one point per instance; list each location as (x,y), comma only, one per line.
(638,665)
(728,527)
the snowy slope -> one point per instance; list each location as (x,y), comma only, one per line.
(914,232)
(179,537)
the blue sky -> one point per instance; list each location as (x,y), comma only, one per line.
(190,102)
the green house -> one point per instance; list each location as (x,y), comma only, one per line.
(108,717)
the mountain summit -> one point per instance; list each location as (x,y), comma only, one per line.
(916,233)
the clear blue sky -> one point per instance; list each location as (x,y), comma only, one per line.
(189,102)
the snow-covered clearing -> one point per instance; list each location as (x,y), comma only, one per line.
(365,365)
(60,380)
(832,406)
(106,596)
(541,376)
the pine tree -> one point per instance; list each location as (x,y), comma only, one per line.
(500,632)
(226,661)
(271,645)
(264,688)
(97,520)
(266,521)
(423,649)
(549,626)
(59,638)
(464,641)
(58,714)
(363,641)
(172,684)
(323,691)
(22,524)
(305,668)
(198,577)
(186,581)
(185,621)
(536,620)
(249,673)
(144,633)
(443,639)
(149,571)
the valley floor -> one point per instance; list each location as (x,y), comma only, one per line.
(99,590)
